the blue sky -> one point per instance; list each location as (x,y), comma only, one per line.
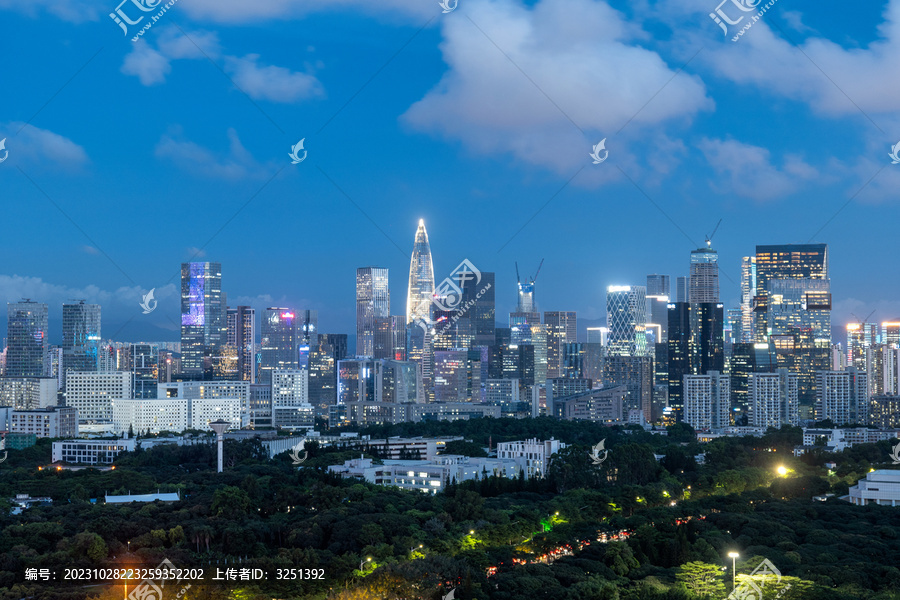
(127,158)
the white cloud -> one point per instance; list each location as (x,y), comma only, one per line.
(748,171)
(41,147)
(241,12)
(237,163)
(270,82)
(147,64)
(259,81)
(579,53)
(13,288)
(833,80)
(73,11)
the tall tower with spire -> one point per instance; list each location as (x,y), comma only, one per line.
(421,278)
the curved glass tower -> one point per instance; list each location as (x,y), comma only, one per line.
(421,278)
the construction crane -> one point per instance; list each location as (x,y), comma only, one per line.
(710,236)
(533,279)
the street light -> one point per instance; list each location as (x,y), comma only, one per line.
(782,471)
(733,556)
(363,562)
(471,532)
(414,548)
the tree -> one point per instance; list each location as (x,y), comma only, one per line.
(230,502)
(702,580)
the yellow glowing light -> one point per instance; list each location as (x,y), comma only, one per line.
(782,471)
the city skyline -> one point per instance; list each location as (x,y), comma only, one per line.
(205,179)
(55,333)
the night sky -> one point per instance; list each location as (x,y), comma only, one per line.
(128,158)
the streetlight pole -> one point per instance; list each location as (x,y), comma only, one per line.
(733,556)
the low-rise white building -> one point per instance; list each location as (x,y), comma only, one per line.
(151,415)
(53,422)
(92,392)
(428,476)
(880,487)
(25,393)
(91,452)
(535,452)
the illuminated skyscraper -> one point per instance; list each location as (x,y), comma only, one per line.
(890,333)
(242,335)
(203,322)
(787,261)
(80,336)
(626,314)
(704,279)
(27,338)
(657,285)
(421,279)
(682,289)
(748,289)
(144,370)
(373,302)
(792,306)
(561,329)
(279,348)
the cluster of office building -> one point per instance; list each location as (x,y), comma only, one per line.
(662,357)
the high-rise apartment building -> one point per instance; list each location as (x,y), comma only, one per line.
(80,336)
(241,324)
(774,399)
(203,323)
(373,301)
(842,396)
(707,400)
(27,338)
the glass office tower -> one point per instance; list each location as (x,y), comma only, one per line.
(203,319)
(27,338)
(80,336)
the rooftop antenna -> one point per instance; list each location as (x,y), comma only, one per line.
(518,279)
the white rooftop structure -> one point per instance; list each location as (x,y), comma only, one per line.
(164,497)
(880,487)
